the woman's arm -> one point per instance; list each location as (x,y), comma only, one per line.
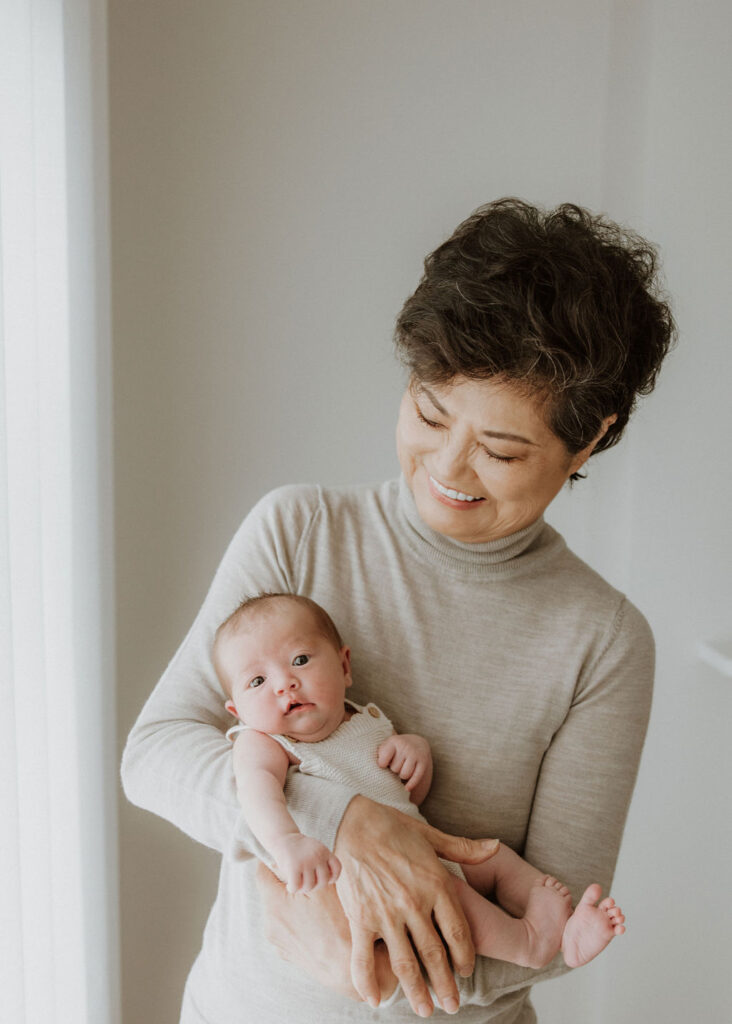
(585,785)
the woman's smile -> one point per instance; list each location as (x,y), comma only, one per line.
(479,457)
(451,496)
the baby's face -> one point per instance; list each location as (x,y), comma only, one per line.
(285,676)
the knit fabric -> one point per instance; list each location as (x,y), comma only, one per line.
(348,757)
(527,673)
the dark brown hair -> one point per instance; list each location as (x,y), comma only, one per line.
(563,302)
(323,622)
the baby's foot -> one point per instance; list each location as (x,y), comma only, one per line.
(547,910)
(590,928)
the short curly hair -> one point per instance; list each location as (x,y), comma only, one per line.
(563,302)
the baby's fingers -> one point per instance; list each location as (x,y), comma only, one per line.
(294,883)
(310,880)
(334,866)
(386,752)
(416,776)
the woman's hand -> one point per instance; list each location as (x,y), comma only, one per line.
(393,887)
(312,932)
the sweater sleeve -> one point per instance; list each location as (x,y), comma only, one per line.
(585,785)
(177,762)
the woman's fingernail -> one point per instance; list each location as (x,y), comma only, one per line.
(450,1005)
(425,1010)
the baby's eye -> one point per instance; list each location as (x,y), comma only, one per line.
(301,659)
(257,681)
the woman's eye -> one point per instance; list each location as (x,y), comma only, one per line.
(499,458)
(257,681)
(301,659)
(429,423)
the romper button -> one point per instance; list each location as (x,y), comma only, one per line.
(374,712)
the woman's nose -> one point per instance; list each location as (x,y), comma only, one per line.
(451,460)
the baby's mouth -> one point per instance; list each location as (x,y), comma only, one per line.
(296,705)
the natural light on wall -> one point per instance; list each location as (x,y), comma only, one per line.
(57,797)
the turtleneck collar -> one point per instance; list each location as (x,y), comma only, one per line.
(496,557)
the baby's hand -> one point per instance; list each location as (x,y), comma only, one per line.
(304,863)
(410,758)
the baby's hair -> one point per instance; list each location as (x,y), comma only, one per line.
(259,602)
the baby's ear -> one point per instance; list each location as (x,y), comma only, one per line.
(346,664)
(229,705)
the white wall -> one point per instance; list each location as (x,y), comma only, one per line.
(279,170)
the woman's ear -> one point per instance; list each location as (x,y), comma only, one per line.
(581,458)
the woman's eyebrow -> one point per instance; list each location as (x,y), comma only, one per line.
(500,434)
(508,437)
(426,391)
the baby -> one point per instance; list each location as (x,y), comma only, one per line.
(281,661)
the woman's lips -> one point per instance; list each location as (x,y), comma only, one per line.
(451,497)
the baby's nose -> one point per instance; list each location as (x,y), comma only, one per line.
(287,683)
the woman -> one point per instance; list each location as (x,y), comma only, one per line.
(527,342)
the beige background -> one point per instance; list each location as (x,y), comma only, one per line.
(279,169)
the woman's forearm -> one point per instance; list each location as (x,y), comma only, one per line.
(585,785)
(182,771)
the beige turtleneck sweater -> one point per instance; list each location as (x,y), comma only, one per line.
(529,675)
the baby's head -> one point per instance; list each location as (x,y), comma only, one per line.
(283,666)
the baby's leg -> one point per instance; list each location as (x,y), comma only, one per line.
(514,884)
(530,941)
(590,928)
(507,877)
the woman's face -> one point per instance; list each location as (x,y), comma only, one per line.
(479,458)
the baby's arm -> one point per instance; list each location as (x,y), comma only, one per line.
(409,757)
(260,767)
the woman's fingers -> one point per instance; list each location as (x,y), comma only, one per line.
(431,952)
(363,968)
(458,848)
(455,931)
(405,965)
(393,887)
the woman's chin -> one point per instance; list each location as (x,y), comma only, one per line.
(466,525)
